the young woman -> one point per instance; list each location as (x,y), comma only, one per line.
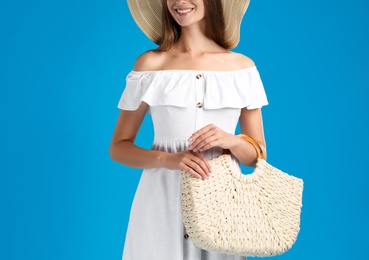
(196,91)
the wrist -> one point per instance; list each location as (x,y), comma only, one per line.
(162,159)
(260,152)
(235,141)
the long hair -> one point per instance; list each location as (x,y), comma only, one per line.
(214,25)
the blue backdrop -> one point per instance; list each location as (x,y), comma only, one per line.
(62,70)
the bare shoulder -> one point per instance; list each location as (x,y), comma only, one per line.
(241,61)
(150,60)
(229,60)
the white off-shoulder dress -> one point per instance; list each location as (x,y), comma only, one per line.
(180,102)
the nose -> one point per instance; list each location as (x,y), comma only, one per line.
(179,2)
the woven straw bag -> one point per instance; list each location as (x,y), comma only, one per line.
(250,215)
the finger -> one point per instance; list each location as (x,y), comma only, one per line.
(194,168)
(206,162)
(203,139)
(192,172)
(206,144)
(203,163)
(201,131)
(196,141)
(196,171)
(200,167)
(190,166)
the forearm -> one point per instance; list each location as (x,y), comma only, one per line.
(251,124)
(245,152)
(129,154)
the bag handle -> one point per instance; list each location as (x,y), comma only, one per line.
(255,144)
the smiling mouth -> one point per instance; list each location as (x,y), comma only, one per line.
(184,11)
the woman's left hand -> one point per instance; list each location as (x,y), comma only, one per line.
(211,136)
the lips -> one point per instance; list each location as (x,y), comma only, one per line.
(184,11)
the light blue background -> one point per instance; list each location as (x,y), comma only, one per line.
(62,70)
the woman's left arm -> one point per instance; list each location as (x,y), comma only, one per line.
(251,123)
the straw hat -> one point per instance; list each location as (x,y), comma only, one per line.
(148,16)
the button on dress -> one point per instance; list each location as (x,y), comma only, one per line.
(180,103)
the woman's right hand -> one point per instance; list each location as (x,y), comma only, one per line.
(192,162)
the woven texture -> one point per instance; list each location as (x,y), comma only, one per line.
(256,214)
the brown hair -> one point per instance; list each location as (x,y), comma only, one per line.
(214,25)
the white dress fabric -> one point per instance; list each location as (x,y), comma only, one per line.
(180,103)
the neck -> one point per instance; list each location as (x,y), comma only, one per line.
(194,40)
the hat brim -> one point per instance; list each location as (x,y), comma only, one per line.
(148,16)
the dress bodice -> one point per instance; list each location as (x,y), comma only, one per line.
(183,101)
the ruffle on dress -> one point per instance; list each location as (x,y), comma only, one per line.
(223,89)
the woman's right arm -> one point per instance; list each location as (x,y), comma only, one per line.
(123,149)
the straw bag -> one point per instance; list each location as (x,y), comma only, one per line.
(256,214)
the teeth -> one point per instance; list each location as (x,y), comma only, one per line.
(184,11)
